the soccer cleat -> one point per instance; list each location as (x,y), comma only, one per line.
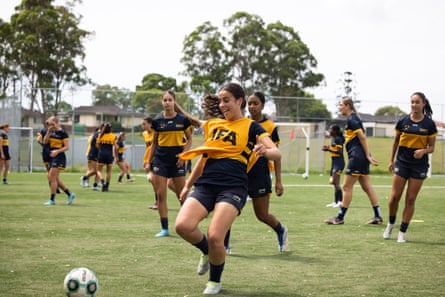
(162,233)
(388,231)
(203,265)
(333,204)
(228,250)
(105,187)
(375,221)
(5,182)
(338,204)
(401,237)
(50,202)
(82,182)
(282,240)
(334,221)
(71,198)
(130,180)
(212,288)
(96,188)
(154,206)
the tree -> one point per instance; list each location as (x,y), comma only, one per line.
(8,71)
(271,58)
(48,50)
(112,95)
(147,97)
(389,111)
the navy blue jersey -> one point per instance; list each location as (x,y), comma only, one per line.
(413,136)
(353,145)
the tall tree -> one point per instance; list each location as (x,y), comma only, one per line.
(8,71)
(389,111)
(271,58)
(48,50)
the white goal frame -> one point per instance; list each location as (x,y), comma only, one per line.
(306,129)
(14,147)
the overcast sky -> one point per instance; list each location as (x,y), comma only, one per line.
(392,47)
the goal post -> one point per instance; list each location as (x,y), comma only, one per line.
(21,148)
(300,145)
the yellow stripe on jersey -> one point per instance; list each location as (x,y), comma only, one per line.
(55,143)
(413,141)
(5,142)
(336,147)
(351,134)
(171,138)
(148,138)
(107,138)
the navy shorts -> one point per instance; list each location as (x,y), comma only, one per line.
(105,159)
(260,183)
(209,195)
(161,169)
(357,166)
(413,171)
(337,166)
(120,158)
(58,161)
(6,153)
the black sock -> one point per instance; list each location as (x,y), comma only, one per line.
(404,227)
(215,272)
(164,223)
(278,228)
(52,197)
(376,211)
(342,213)
(67,192)
(119,179)
(338,196)
(203,245)
(128,176)
(392,219)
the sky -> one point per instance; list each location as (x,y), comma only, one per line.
(392,47)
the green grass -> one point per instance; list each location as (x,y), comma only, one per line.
(113,234)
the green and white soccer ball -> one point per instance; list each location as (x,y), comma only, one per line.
(304,175)
(81,282)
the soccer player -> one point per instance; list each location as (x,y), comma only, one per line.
(5,158)
(171,129)
(147,135)
(337,162)
(58,141)
(106,155)
(123,164)
(359,160)
(220,181)
(260,185)
(414,139)
(92,153)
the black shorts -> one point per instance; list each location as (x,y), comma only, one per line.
(6,153)
(357,166)
(105,159)
(58,161)
(260,183)
(337,166)
(209,195)
(161,169)
(120,158)
(413,171)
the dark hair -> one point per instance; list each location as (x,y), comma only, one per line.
(105,129)
(260,96)
(148,119)
(427,111)
(210,106)
(237,91)
(194,121)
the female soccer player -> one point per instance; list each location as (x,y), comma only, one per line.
(359,159)
(106,155)
(414,139)
(123,164)
(337,162)
(58,141)
(5,158)
(260,185)
(220,180)
(172,136)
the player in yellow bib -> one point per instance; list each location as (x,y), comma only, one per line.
(220,180)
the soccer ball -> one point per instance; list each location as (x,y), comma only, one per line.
(304,176)
(81,282)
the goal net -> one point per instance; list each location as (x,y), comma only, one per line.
(300,145)
(21,148)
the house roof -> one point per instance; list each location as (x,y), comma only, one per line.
(366,117)
(106,110)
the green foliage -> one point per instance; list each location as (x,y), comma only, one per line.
(113,234)
(112,95)
(389,111)
(47,50)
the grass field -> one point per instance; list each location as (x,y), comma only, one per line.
(113,234)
